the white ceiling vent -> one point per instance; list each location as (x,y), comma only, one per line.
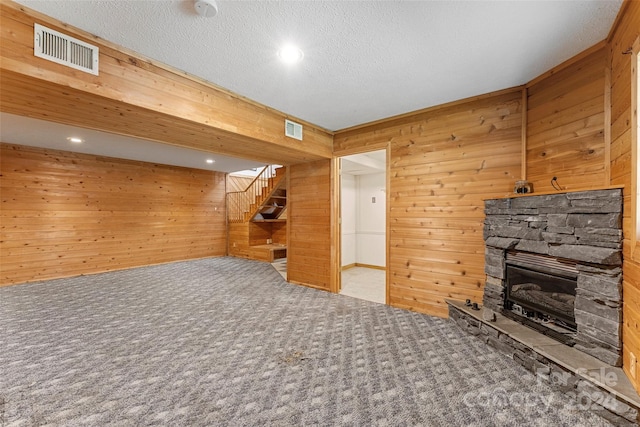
(63,49)
(293,129)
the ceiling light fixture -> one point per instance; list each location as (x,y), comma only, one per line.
(290,54)
(75,140)
(206,8)
(210,161)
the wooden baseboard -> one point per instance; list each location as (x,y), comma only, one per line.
(357,264)
(308,285)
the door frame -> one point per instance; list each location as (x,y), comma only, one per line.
(336,220)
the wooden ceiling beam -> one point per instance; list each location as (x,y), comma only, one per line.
(135,96)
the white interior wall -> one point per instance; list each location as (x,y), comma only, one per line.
(348,214)
(371,219)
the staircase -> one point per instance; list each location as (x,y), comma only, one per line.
(274,207)
(257,217)
(265,199)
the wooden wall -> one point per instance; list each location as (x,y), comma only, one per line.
(566,125)
(622,37)
(279,232)
(444,162)
(238,235)
(259,232)
(238,183)
(309,224)
(66,214)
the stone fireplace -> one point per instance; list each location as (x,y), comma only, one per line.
(555,260)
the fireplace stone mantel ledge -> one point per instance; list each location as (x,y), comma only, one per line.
(545,356)
(554,192)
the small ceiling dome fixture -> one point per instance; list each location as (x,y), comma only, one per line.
(210,161)
(206,8)
(75,140)
(290,54)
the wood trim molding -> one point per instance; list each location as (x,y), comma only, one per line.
(387,281)
(373,267)
(288,231)
(596,47)
(308,285)
(336,223)
(357,264)
(619,16)
(525,107)
(635,156)
(413,115)
(607,118)
(335,284)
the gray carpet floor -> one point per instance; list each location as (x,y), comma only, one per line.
(227,342)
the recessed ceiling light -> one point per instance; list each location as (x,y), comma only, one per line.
(290,54)
(210,161)
(75,140)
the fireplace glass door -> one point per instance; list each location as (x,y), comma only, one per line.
(541,294)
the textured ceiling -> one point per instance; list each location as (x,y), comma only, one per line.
(364,163)
(364,60)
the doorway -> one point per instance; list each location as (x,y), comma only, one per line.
(363,226)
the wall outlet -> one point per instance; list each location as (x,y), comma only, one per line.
(632,365)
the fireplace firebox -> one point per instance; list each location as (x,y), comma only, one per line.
(541,292)
(550,297)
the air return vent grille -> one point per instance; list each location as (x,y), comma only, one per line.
(63,49)
(293,129)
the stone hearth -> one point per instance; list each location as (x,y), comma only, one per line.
(584,227)
(595,385)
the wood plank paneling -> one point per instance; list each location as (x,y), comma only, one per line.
(623,35)
(309,224)
(259,232)
(64,214)
(238,239)
(135,96)
(238,183)
(443,163)
(566,126)
(279,232)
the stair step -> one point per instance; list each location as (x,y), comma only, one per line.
(269,252)
(271,201)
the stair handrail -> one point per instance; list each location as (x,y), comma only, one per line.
(264,169)
(239,202)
